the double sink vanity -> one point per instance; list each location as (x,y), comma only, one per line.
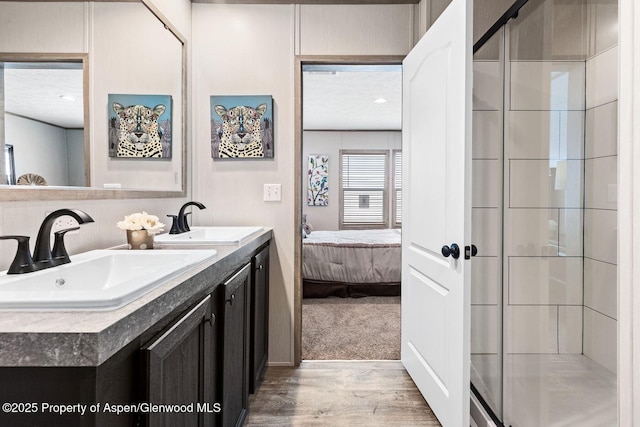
(177,335)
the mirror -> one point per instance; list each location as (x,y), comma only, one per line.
(44,118)
(82,39)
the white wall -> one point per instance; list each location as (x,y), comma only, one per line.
(249,49)
(75,157)
(38,148)
(331,142)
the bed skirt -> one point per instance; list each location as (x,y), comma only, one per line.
(322,289)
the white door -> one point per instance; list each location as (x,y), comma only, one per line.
(436,212)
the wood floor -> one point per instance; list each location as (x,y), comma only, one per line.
(339,393)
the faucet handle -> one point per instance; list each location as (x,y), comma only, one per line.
(22,262)
(59,252)
(175,225)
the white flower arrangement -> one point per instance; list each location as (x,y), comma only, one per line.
(141,221)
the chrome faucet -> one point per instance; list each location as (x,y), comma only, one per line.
(43,256)
(180,224)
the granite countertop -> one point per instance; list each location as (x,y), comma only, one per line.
(88,338)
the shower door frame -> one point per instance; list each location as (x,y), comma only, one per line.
(628,215)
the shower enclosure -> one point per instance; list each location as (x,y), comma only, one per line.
(544,286)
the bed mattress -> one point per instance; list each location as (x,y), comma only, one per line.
(351,263)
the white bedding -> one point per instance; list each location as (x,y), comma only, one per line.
(352,256)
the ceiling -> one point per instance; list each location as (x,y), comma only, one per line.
(335,97)
(35,91)
(343,97)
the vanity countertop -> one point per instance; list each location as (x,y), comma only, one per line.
(88,338)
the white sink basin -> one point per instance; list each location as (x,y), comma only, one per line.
(208,236)
(96,280)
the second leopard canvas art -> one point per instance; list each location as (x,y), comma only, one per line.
(241,127)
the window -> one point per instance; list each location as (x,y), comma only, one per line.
(9,164)
(397,189)
(364,189)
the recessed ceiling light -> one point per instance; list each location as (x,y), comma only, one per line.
(380,101)
(68,97)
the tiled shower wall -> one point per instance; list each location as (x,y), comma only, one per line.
(560,206)
(600,219)
(543,212)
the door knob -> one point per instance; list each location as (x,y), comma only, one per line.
(453,250)
(470,251)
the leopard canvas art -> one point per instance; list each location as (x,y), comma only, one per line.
(241,127)
(139,126)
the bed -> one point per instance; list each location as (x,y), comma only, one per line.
(351,263)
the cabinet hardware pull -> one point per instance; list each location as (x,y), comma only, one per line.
(231,298)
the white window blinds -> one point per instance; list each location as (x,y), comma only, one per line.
(364,190)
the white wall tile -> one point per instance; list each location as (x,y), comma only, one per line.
(531,329)
(487,135)
(486,183)
(570,329)
(602,78)
(484,329)
(545,183)
(545,280)
(485,284)
(601,183)
(602,130)
(571,134)
(600,235)
(533,134)
(557,85)
(601,287)
(571,232)
(531,232)
(485,230)
(600,339)
(487,85)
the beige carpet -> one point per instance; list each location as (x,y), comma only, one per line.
(351,328)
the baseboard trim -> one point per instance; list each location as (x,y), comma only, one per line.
(280,364)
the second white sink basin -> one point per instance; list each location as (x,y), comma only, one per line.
(208,236)
(96,280)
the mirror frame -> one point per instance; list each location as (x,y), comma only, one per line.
(28,193)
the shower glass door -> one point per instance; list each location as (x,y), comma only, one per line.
(559,208)
(486,267)
(544,284)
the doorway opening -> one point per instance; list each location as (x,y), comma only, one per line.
(350,196)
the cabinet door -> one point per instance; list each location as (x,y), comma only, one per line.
(235,371)
(179,371)
(259,346)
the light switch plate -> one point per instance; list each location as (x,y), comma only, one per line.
(272,192)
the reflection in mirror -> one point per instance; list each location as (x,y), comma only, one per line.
(44,123)
(149,58)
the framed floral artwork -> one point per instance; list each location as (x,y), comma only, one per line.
(317,180)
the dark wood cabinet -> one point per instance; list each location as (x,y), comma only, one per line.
(259,344)
(209,351)
(234,340)
(179,370)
